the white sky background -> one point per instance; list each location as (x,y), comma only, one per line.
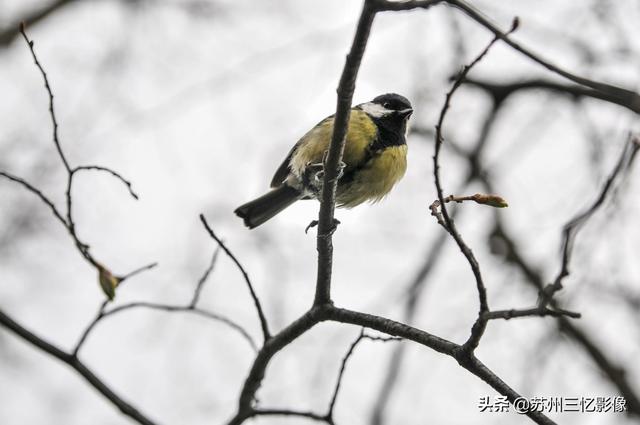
(197,106)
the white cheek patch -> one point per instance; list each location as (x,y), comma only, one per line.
(375,110)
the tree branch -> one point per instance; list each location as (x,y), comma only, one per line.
(38,193)
(504,90)
(346,87)
(52,111)
(73,362)
(608,92)
(574,225)
(8,34)
(124,181)
(479,326)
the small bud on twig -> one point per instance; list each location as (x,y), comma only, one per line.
(108,282)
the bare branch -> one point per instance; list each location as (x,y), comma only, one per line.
(502,91)
(263,320)
(390,327)
(530,312)
(73,362)
(52,111)
(346,87)
(343,366)
(126,182)
(462,355)
(203,279)
(290,413)
(136,271)
(260,363)
(89,328)
(479,326)
(574,225)
(8,34)
(38,193)
(102,314)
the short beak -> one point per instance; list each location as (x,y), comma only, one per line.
(405,113)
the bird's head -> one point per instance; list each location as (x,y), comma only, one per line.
(388,106)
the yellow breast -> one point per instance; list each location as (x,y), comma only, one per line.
(376,179)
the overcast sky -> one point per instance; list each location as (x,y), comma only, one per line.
(197,103)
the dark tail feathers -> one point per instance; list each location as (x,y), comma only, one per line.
(256,212)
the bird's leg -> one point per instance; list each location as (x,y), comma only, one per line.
(315,172)
(341,165)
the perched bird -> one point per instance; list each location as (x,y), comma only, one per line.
(375,158)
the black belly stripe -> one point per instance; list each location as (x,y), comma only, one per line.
(370,154)
(387,137)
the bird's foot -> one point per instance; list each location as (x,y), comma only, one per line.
(314,223)
(341,167)
(311,225)
(317,170)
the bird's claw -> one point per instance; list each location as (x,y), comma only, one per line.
(314,223)
(318,176)
(341,167)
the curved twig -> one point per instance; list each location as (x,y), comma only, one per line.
(256,300)
(124,181)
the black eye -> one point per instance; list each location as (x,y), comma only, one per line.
(387,105)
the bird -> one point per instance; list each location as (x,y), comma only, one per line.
(374,160)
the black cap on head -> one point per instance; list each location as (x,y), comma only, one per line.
(393,101)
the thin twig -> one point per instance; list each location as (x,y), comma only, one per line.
(203,279)
(38,193)
(574,225)
(263,320)
(479,198)
(52,111)
(136,271)
(85,334)
(505,90)
(480,325)
(343,366)
(530,312)
(290,413)
(32,17)
(103,314)
(124,181)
